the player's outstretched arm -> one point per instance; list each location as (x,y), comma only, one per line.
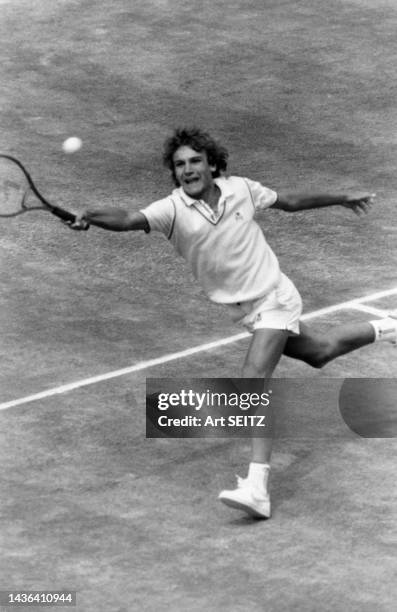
(359,203)
(113,219)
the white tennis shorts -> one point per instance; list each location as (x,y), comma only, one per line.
(279,309)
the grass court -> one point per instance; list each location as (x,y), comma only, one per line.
(303,95)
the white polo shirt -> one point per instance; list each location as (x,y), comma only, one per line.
(226,249)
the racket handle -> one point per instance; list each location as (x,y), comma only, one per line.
(63,214)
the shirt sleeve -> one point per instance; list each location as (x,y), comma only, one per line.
(262,197)
(160,215)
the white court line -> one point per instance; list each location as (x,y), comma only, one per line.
(144,365)
(377,312)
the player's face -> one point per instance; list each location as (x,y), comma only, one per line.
(193,172)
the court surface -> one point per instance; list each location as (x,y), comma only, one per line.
(303,95)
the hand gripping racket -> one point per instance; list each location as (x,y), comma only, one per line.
(19,194)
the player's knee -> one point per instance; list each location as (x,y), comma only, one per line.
(320,355)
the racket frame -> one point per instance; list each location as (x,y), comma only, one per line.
(55,210)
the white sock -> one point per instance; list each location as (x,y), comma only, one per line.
(258,475)
(385,329)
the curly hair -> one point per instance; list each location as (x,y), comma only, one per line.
(198,140)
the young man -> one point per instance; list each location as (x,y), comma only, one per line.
(209,218)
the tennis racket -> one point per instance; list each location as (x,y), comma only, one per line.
(19,194)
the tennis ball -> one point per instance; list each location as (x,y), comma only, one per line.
(72,144)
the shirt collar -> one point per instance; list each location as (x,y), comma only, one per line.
(221,181)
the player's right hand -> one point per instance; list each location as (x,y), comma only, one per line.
(79,224)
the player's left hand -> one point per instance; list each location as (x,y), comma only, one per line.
(360,203)
(79,224)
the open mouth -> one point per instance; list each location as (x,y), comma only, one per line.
(191,181)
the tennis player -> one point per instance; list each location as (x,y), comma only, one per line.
(210,220)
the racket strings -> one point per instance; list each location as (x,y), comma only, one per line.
(14,191)
(16,187)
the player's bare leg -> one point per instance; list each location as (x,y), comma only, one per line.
(263,355)
(251,495)
(317,349)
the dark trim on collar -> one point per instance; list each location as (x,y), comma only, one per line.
(205,216)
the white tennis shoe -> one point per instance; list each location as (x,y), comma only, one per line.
(247,498)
